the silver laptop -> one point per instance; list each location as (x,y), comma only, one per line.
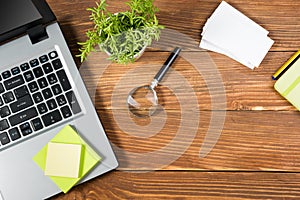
(41,91)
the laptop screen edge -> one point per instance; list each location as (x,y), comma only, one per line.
(48,17)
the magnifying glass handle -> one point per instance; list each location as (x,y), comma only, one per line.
(163,70)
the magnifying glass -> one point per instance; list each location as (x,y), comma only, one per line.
(142,101)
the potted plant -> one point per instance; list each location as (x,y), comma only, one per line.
(124,35)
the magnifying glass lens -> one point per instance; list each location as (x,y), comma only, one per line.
(142,101)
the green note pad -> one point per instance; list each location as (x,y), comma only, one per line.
(288,85)
(89,158)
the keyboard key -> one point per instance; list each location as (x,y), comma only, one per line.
(14,134)
(53,54)
(57,64)
(38,72)
(4,125)
(4,139)
(28,76)
(74,105)
(42,108)
(51,79)
(51,118)
(23,116)
(25,129)
(1,88)
(42,82)
(8,97)
(66,112)
(15,70)
(34,63)
(1,102)
(62,76)
(47,68)
(33,87)
(37,97)
(21,91)
(51,104)
(14,82)
(4,111)
(6,74)
(43,58)
(56,89)
(47,93)
(21,103)
(24,67)
(37,124)
(61,100)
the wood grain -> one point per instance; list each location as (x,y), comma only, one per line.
(248,141)
(189,185)
(245,89)
(257,155)
(188,17)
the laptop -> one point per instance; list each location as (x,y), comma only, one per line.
(41,92)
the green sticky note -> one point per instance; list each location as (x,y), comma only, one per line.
(89,158)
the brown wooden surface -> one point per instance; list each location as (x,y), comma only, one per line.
(258,153)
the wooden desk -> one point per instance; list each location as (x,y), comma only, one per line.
(258,153)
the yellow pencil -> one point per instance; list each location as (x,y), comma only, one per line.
(286,65)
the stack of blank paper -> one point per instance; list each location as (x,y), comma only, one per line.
(231,33)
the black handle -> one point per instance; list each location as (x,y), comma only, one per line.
(163,70)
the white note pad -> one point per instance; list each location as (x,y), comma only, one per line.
(231,33)
(63,160)
(229,12)
(209,46)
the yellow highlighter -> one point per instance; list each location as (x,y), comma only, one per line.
(286,65)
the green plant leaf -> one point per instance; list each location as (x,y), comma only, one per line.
(123,34)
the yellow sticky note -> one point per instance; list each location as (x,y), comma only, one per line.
(89,158)
(63,160)
(288,85)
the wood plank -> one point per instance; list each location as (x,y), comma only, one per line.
(188,185)
(277,17)
(256,140)
(210,76)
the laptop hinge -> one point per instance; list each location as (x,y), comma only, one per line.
(37,34)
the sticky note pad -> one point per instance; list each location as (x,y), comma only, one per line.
(89,158)
(63,160)
(288,85)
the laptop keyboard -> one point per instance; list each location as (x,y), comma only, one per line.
(34,96)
